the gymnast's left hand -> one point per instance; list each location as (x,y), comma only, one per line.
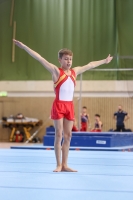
(18,43)
(108,59)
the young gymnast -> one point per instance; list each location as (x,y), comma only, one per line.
(98,124)
(62,111)
(84,119)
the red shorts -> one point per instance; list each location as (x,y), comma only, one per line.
(74,128)
(83,126)
(62,109)
(96,130)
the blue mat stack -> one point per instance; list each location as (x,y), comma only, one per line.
(89,139)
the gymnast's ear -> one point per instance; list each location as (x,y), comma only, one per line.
(59,59)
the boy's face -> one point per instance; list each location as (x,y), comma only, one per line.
(84,110)
(97,118)
(66,61)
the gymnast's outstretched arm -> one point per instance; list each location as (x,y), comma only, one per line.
(49,66)
(91,65)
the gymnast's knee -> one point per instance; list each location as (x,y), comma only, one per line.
(67,136)
(58,136)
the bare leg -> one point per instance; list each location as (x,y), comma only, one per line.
(57,143)
(67,127)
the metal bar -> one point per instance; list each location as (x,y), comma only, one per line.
(124,69)
(80,103)
(13,45)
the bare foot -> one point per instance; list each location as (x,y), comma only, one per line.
(67,169)
(58,169)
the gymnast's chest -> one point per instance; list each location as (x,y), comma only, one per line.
(67,85)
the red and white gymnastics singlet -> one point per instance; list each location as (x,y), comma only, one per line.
(64,89)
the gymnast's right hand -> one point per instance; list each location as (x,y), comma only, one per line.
(19,44)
